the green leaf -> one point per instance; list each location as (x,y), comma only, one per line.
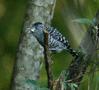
(82,21)
(34,82)
(75,85)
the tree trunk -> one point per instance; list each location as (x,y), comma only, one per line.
(30,53)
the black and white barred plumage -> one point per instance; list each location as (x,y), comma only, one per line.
(56,41)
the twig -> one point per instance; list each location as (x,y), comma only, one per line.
(48,61)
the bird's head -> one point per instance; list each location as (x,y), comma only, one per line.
(37,30)
(37,27)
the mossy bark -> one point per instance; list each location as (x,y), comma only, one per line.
(30,53)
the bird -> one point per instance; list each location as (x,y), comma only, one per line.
(56,41)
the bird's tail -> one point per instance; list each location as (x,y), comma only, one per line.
(73,52)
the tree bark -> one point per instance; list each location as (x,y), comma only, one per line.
(30,53)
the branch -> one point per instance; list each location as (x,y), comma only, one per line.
(29,53)
(48,62)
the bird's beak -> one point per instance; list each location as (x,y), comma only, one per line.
(33,29)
